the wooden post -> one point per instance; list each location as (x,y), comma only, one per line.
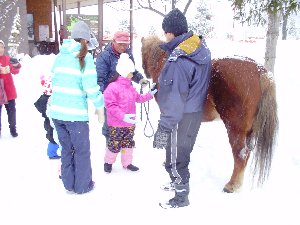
(64,13)
(100,23)
(55,28)
(60,17)
(78,8)
(131,24)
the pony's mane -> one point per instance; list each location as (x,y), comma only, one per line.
(153,56)
(152,42)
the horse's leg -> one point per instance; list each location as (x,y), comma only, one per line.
(236,92)
(240,151)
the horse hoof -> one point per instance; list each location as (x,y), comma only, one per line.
(227,190)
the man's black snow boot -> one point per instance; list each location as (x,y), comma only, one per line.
(181,197)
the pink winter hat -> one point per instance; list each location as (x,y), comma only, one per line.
(122,37)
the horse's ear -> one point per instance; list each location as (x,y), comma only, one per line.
(142,39)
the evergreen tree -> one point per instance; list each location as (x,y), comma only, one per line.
(6,6)
(124,25)
(201,25)
(14,39)
(286,13)
(254,12)
(292,31)
(152,30)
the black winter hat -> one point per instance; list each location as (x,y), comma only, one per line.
(175,22)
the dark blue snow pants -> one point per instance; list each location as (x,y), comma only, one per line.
(11,114)
(180,146)
(76,171)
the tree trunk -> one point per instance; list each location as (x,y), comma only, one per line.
(271,41)
(284,27)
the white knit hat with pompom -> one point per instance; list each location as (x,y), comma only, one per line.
(125,65)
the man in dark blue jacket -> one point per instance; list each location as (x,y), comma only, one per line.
(107,61)
(183,85)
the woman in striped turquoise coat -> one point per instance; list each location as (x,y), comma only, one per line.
(74,82)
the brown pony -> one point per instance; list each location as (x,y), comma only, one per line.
(241,93)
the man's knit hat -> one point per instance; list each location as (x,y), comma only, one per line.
(125,65)
(81,30)
(175,22)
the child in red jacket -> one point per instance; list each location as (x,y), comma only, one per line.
(8,66)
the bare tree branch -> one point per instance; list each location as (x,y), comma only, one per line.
(150,8)
(187,6)
(173,6)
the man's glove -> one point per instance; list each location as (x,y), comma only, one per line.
(127,118)
(153,89)
(161,137)
(143,82)
(100,114)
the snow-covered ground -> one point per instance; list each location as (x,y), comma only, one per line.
(31,192)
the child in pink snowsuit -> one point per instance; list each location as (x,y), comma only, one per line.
(120,98)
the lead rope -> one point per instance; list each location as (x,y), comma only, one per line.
(147,114)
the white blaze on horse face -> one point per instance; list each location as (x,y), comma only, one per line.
(244,153)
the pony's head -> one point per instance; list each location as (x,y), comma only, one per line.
(153,57)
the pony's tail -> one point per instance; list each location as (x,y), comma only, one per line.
(265,128)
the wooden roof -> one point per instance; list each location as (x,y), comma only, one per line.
(71,4)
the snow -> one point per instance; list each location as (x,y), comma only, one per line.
(32,193)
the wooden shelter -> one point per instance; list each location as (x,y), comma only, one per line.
(62,5)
